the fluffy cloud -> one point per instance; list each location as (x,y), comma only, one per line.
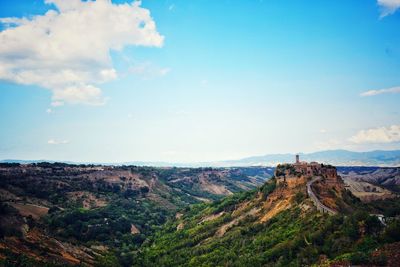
(57,142)
(388,7)
(67,50)
(377,135)
(393,90)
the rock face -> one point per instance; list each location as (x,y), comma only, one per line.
(328,173)
(324,185)
(388,178)
(316,169)
(320,206)
(367,192)
(25,237)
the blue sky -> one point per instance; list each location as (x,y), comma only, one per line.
(213,80)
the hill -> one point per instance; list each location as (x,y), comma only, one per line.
(56,214)
(71,214)
(333,157)
(386,177)
(375,158)
(280,224)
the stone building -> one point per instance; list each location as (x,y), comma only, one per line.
(316,169)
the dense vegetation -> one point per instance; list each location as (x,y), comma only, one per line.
(133,213)
(115,207)
(292,238)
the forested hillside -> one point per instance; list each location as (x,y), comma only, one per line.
(278,225)
(69,214)
(61,214)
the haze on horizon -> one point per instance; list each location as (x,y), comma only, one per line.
(197,81)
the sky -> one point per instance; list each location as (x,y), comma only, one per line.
(197,80)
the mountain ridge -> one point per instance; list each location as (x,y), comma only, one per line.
(338,157)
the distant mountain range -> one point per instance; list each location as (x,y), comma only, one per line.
(334,157)
(379,158)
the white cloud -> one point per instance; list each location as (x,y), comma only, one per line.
(57,142)
(147,70)
(388,7)
(171,7)
(68,50)
(377,135)
(323,131)
(393,90)
(49,110)
(86,94)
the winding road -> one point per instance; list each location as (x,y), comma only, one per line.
(321,207)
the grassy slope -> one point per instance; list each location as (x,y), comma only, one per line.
(297,236)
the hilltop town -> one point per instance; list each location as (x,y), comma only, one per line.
(303,168)
(324,185)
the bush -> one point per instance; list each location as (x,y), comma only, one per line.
(299,197)
(392,232)
(268,187)
(380,260)
(359,258)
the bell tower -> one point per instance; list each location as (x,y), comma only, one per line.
(297,158)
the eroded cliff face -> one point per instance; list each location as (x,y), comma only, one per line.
(284,196)
(367,192)
(329,193)
(329,187)
(25,235)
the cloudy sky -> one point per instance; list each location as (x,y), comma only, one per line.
(201,80)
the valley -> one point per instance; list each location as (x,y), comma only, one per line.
(62,213)
(97,215)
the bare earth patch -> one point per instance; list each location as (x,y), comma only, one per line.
(367,192)
(224,228)
(35,242)
(280,206)
(134,230)
(180,226)
(281,198)
(89,200)
(212,217)
(206,200)
(213,188)
(30,210)
(7,196)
